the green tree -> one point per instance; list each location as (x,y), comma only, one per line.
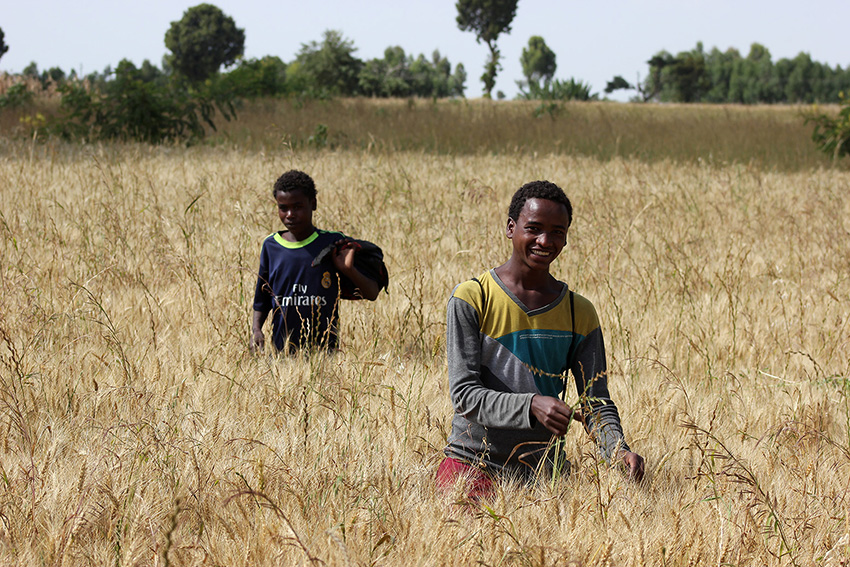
(557,90)
(3,47)
(400,75)
(657,82)
(131,107)
(150,73)
(488,19)
(718,68)
(832,133)
(441,71)
(31,70)
(328,68)
(202,41)
(688,75)
(457,82)
(618,83)
(387,77)
(54,75)
(254,78)
(752,80)
(538,61)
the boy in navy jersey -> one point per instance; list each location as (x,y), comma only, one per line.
(302,298)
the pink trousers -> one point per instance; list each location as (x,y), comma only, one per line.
(479,484)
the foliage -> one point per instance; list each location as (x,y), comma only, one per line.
(132,108)
(617,83)
(16,96)
(727,77)
(328,68)
(457,82)
(319,138)
(559,90)
(547,108)
(400,75)
(538,61)
(202,41)
(487,19)
(3,47)
(254,78)
(48,77)
(832,134)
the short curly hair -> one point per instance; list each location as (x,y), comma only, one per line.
(539,190)
(294,180)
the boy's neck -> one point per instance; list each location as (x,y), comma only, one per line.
(516,274)
(289,236)
(535,288)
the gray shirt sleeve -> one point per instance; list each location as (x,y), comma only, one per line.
(591,375)
(471,398)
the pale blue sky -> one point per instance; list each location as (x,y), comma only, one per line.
(593,41)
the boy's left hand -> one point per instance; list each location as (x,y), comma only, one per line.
(635,464)
(343,257)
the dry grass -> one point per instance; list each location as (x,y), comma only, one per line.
(138,430)
(769,137)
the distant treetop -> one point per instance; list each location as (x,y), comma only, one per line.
(202,41)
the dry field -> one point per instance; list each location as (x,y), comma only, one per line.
(137,429)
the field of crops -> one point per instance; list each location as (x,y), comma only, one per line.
(138,428)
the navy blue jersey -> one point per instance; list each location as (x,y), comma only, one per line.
(303,300)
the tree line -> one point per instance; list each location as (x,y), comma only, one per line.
(728,77)
(206,39)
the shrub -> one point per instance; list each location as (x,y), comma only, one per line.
(558,90)
(832,135)
(16,96)
(131,108)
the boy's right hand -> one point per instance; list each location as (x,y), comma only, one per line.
(553,413)
(258,341)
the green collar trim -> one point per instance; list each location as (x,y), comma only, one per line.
(287,244)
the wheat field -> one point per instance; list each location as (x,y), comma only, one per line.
(138,429)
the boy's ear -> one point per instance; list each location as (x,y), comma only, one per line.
(313,203)
(509,229)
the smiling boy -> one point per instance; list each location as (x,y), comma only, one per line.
(303,298)
(512,334)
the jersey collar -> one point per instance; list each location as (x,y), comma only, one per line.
(301,244)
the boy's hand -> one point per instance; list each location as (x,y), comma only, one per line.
(553,413)
(635,464)
(343,257)
(258,341)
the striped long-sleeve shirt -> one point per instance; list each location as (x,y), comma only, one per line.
(500,354)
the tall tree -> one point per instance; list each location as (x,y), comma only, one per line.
(687,72)
(457,82)
(3,47)
(202,41)
(718,68)
(538,61)
(329,67)
(488,19)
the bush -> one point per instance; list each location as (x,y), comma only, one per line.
(16,96)
(558,90)
(255,78)
(132,108)
(832,135)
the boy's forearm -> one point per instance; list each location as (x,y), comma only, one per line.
(368,287)
(258,320)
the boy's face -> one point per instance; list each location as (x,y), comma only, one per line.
(540,233)
(296,213)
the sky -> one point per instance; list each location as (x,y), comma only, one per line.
(593,41)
